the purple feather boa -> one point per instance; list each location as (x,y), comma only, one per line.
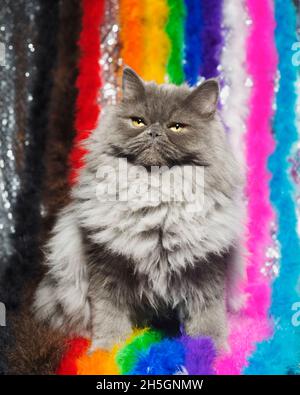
(200,354)
(211,37)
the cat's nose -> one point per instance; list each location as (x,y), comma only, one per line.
(154,132)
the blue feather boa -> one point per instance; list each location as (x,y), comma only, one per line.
(193,44)
(165,357)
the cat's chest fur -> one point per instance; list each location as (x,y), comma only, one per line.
(162,238)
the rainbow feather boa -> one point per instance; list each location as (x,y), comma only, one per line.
(145,352)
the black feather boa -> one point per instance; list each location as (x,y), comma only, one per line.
(62,112)
(42,355)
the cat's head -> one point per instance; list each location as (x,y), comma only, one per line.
(157,125)
(166,125)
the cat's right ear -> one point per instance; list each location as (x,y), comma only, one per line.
(204,98)
(132,85)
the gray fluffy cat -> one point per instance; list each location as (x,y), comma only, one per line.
(116,264)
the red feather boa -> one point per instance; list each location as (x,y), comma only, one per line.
(76,348)
(88,81)
(87,113)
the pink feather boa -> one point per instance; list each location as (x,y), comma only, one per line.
(252,325)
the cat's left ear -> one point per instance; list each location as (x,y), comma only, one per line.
(132,85)
(204,98)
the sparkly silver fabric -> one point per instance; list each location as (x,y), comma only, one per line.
(17,35)
(271,264)
(110,53)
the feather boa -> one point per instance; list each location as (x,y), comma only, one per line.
(175,31)
(61,112)
(235,94)
(166,357)
(192,44)
(234,110)
(144,352)
(76,348)
(156,15)
(138,344)
(131,34)
(88,81)
(295,159)
(252,325)
(200,354)
(211,37)
(281,354)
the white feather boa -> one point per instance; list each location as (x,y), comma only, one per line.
(234,94)
(234,97)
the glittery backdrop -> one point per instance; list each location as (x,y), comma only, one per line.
(42,103)
(17,70)
(17,19)
(110,49)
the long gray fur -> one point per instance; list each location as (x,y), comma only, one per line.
(113,265)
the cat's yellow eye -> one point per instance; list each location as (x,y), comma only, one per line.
(137,122)
(177,127)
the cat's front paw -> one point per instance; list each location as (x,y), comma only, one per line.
(221,344)
(99,344)
(216,329)
(219,338)
(236,302)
